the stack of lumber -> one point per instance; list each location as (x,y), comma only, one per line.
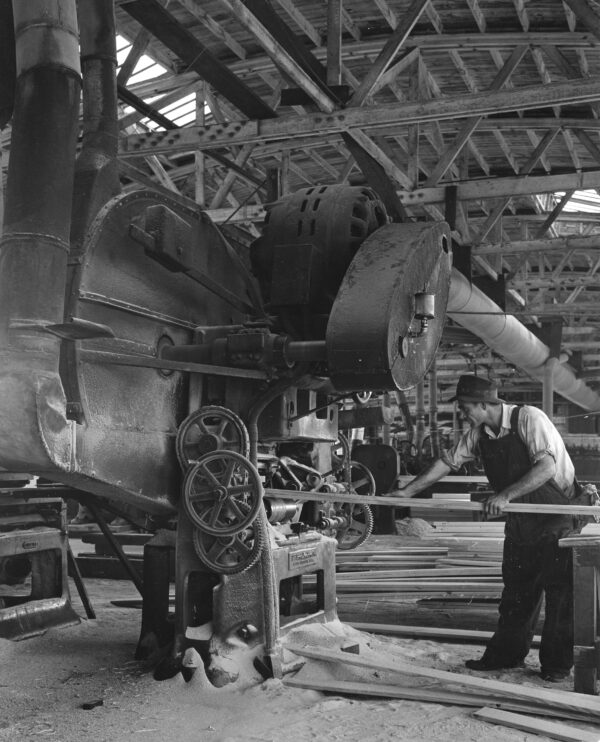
(443,564)
(471,542)
(461,689)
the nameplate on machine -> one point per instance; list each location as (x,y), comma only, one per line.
(302,559)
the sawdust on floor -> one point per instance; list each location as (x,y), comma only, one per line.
(45,682)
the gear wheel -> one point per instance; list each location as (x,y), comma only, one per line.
(222,493)
(211,428)
(340,455)
(360,525)
(229,555)
(358,517)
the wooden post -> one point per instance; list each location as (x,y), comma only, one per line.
(334,42)
(585,611)
(548,387)
(199,159)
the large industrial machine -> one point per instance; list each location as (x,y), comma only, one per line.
(147,363)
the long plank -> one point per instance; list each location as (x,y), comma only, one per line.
(430,632)
(433,695)
(413,502)
(354,567)
(416,586)
(465,594)
(537,726)
(400,550)
(459,562)
(434,572)
(575,702)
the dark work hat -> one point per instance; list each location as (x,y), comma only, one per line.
(475,389)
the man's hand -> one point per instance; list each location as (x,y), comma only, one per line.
(495,504)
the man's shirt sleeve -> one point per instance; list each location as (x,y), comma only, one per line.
(467,449)
(538,434)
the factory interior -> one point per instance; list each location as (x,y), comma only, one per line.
(247,250)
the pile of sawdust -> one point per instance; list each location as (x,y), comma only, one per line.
(415,527)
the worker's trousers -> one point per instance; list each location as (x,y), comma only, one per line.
(530,572)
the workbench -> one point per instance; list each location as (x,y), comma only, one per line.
(586,566)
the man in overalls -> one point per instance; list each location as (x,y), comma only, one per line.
(525,460)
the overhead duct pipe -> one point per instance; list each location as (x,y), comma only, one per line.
(96,169)
(505,335)
(34,432)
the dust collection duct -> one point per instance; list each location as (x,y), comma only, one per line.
(34,431)
(505,335)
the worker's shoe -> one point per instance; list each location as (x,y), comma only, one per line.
(83,524)
(554,676)
(484,665)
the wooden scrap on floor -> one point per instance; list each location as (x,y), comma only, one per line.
(577,703)
(537,726)
(421,694)
(469,636)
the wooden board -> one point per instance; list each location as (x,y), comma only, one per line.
(572,702)
(431,632)
(434,572)
(412,502)
(537,726)
(433,695)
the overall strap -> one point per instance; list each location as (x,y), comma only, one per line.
(514,419)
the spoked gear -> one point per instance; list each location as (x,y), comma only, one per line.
(229,555)
(357,517)
(360,525)
(211,428)
(222,493)
(340,454)
(358,479)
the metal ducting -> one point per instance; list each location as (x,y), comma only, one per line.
(505,335)
(34,431)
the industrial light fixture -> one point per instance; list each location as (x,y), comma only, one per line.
(424,311)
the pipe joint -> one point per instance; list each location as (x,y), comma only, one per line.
(46,33)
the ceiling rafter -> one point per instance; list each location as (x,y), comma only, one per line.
(384,115)
(389,51)
(469,126)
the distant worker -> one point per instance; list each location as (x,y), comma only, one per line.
(525,461)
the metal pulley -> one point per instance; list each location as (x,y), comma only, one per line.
(231,554)
(222,493)
(388,316)
(350,524)
(211,428)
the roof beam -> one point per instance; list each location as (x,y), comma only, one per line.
(167,29)
(289,63)
(586,15)
(514,186)
(472,122)
(408,112)
(389,51)
(215,28)
(378,169)
(136,52)
(307,28)
(561,244)
(536,155)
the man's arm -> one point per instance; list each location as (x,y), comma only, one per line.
(421,482)
(542,471)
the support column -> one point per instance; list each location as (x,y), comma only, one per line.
(334,42)
(433,411)
(548,387)
(420,418)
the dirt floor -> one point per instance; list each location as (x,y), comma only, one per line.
(46,681)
